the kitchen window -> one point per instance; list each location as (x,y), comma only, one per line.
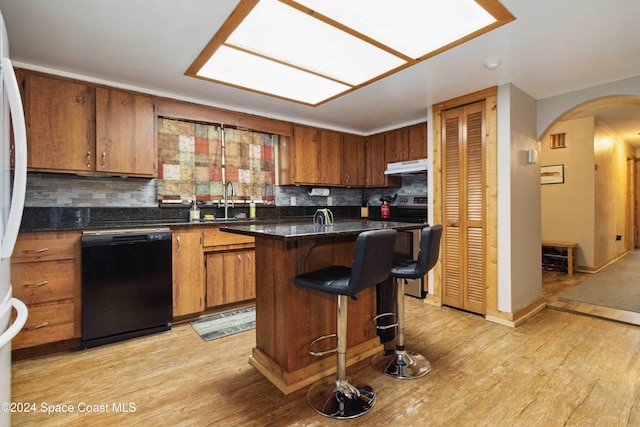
(195,159)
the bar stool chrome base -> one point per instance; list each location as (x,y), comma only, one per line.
(340,399)
(402,364)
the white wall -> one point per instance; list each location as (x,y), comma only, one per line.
(589,208)
(519,274)
(552,108)
(568,208)
(611,154)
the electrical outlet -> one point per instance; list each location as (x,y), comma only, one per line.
(293,200)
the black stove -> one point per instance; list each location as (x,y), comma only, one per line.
(410,208)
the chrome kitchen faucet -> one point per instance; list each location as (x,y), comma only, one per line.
(226,197)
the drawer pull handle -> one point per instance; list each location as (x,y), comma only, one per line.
(30,285)
(41,325)
(35,251)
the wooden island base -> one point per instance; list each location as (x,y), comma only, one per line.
(289,382)
(289,318)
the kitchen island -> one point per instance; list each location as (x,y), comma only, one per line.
(288,318)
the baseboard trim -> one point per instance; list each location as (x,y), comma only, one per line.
(519,317)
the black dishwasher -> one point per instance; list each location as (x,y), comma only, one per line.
(126,285)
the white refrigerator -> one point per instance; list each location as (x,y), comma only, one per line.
(12,204)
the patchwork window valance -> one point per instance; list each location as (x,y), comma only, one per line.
(195,159)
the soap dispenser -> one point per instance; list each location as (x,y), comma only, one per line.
(194,213)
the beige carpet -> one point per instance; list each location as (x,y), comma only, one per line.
(617,286)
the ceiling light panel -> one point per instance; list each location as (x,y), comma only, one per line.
(238,68)
(412,27)
(312,51)
(277,31)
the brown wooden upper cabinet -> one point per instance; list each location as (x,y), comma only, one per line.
(353,163)
(417,141)
(396,145)
(317,156)
(124,133)
(60,117)
(407,143)
(74,127)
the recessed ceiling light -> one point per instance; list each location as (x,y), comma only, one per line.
(312,51)
(492,64)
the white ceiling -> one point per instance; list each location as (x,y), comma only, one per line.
(553,47)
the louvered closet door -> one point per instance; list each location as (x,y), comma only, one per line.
(463,136)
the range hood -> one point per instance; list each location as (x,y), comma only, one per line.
(407,168)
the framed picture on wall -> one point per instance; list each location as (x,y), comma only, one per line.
(553,174)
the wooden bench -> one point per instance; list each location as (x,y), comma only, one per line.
(559,256)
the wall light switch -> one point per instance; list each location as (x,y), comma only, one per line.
(293,200)
(329,201)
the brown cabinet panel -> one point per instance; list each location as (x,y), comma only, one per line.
(45,282)
(32,247)
(396,145)
(230,277)
(417,141)
(124,133)
(189,285)
(46,324)
(306,155)
(60,117)
(376,163)
(375,156)
(46,275)
(214,237)
(317,156)
(249,271)
(353,165)
(330,164)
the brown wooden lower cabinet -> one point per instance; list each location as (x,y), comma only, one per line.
(230,277)
(188,271)
(46,324)
(45,275)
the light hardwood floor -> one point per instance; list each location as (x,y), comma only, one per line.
(556,369)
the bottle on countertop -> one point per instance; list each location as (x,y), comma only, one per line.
(252,209)
(194,213)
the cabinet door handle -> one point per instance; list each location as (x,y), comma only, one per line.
(347,180)
(31,285)
(178,241)
(104,158)
(41,325)
(35,251)
(88,159)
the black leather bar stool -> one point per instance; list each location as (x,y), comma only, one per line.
(372,262)
(402,363)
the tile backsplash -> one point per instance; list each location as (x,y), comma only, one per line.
(62,190)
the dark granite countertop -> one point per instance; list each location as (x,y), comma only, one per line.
(96,219)
(298,230)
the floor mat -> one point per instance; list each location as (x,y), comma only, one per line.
(223,324)
(617,286)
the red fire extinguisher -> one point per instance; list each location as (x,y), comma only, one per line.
(385,208)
